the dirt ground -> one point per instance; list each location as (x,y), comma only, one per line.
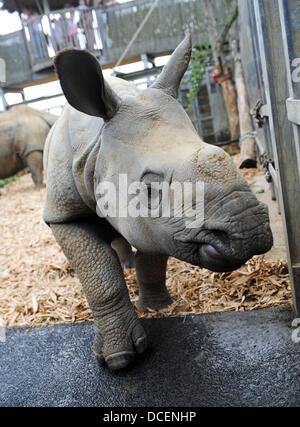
(38,286)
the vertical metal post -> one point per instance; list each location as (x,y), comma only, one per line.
(46,7)
(3,99)
(147,65)
(198,117)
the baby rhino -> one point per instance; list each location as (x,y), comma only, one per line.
(117,153)
(23,132)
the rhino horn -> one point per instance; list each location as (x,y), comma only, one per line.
(171,76)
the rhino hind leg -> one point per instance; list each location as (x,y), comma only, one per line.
(124,252)
(118,331)
(34,161)
(151,277)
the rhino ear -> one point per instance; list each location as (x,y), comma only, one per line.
(83,84)
(172,73)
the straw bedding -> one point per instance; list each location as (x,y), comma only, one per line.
(38,286)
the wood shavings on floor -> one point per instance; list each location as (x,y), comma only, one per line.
(38,286)
(249,174)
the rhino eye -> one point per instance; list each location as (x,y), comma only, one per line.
(154,189)
(149,189)
(154,195)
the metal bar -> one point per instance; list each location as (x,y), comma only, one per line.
(2,97)
(140,74)
(42,98)
(196,109)
(46,6)
(38,7)
(274,175)
(293,110)
(265,110)
(205,119)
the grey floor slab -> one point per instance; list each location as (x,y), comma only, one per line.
(223,359)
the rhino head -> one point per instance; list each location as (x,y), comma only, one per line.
(148,137)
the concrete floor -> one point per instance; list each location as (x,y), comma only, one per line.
(223,359)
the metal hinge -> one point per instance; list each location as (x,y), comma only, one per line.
(266,163)
(259,113)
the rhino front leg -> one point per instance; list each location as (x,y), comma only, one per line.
(124,251)
(151,277)
(34,161)
(118,331)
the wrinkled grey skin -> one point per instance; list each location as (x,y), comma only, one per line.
(23,132)
(148,136)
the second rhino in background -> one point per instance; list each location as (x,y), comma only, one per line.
(23,132)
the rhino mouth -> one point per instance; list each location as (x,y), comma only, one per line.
(213,260)
(219,253)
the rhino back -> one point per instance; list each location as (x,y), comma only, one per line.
(22,130)
(27,126)
(10,161)
(50,119)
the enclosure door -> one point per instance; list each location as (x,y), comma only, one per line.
(278,33)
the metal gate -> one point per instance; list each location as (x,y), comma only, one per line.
(270,47)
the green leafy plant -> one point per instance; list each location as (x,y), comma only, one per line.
(200,60)
(6,181)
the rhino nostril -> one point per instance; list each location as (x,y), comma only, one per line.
(220,235)
(210,251)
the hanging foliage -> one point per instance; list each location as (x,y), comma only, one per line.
(200,60)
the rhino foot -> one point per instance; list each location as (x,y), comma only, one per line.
(154,302)
(119,355)
(119,334)
(151,277)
